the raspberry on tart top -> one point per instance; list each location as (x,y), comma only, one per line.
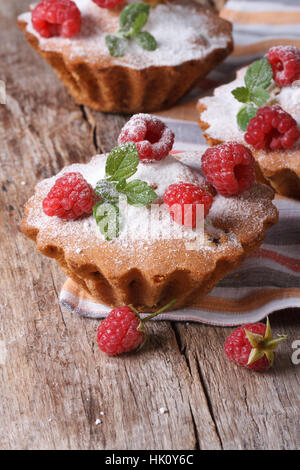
(229,168)
(272,134)
(107,3)
(70,197)
(178,197)
(272,129)
(285,62)
(56,18)
(154,140)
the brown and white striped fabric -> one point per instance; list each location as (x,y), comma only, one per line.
(270,279)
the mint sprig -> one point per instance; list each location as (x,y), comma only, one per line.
(245,114)
(132,19)
(121,164)
(259,74)
(107,216)
(138,193)
(116,45)
(254,94)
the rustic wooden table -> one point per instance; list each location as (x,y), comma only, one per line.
(54,383)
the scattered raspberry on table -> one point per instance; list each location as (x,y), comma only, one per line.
(56,18)
(252,346)
(285,62)
(153,139)
(70,197)
(123,330)
(272,129)
(229,168)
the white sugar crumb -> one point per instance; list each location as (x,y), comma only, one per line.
(98,421)
(182,34)
(101,413)
(163,410)
(23,183)
(78,250)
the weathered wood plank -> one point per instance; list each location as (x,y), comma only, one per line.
(54,383)
(251,411)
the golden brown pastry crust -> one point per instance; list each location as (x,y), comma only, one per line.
(105,86)
(150,274)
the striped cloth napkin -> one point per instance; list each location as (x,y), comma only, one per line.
(269,280)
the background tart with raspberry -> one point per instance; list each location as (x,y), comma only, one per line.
(158,246)
(265,117)
(116,60)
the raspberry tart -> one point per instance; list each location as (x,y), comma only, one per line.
(143,232)
(128,56)
(261,109)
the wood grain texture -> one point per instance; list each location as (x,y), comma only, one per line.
(54,383)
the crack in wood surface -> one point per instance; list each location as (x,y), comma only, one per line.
(182,349)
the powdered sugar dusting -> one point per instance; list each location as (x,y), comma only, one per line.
(222,108)
(182,34)
(148,224)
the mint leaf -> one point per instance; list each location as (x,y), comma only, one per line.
(107,190)
(139,193)
(116,45)
(107,215)
(259,74)
(133,18)
(245,114)
(121,185)
(146,41)
(259,96)
(122,162)
(241,94)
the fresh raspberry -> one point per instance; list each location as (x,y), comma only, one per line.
(123,330)
(229,168)
(253,352)
(272,129)
(154,140)
(107,3)
(56,18)
(70,197)
(285,62)
(182,200)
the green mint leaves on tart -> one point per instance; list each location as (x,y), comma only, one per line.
(146,41)
(121,164)
(245,114)
(259,74)
(132,19)
(254,94)
(116,45)
(139,193)
(107,215)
